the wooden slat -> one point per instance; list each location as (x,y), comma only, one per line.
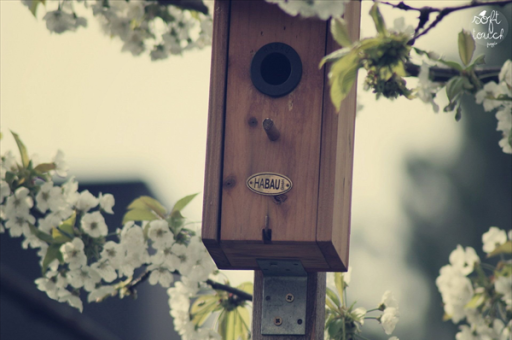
(214,146)
(315,309)
(336,160)
(297,116)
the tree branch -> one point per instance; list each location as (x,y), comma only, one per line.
(442,13)
(59,316)
(240,293)
(442,74)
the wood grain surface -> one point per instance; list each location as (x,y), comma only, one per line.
(336,163)
(215,138)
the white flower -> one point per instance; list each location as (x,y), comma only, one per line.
(388,300)
(105,269)
(389,319)
(359,313)
(18,224)
(166,257)
(506,73)
(59,21)
(70,193)
(112,252)
(504,117)
(427,89)
(456,291)
(399,27)
(491,90)
(99,293)
(494,237)
(49,197)
(5,190)
(466,334)
(86,201)
(74,301)
(134,249)
(94,224)
(107,201)
(51,283)
(83,277)
(159,52)
(160,234)
(19,203)
(161,275)
(503,285)
(61,167)
(464,260)
(135,43)
(308,8)
(207,334)
(73,253)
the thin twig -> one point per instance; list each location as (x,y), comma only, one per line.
(240,293)
(442,74)
(61,317)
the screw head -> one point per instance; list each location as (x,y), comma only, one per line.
(289,297)
(278,321)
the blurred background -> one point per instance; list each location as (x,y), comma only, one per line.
(423,182)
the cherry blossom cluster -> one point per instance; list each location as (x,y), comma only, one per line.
(343,321)
(77,252)
(312,8)
(137,23)
(483,300)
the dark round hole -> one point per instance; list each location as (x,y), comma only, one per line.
(299,321)
(275,68)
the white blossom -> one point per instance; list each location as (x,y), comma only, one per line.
(134,249)
(65,295)
(399,27)
(494,237)
(426,88)
(309,8)
(112,252)
(506,73)
(456,291)
(160,234)
(86,201)
(83,277)
(100,292)
(49,197)
(107,201)
(504,117)
(503,285)
(487,95)
(165,256)
(5,190)
(464,260)
(388,300)
(94,224)
(160,274)
(389,319)
(19,224)
(465,334)
(19,203)
(73,253)
(359,313)
(69,191)
(61,167)
(105,270)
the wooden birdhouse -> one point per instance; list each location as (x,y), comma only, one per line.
(279,157)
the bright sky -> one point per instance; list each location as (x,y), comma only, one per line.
(120,117)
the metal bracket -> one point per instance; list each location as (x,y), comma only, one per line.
(284,297)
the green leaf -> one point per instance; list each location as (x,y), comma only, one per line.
(475,301)
(52,253)
(380,25)
(34,4)
(466,46)
(181,204)
(452,64)
(40,235)
(478,61)
(454,87)
(64,233)
(339,31)
(340,285)
(203,307)
(331,299)
(458,113)
(23,150)
(342,76)
(335,327)
(505,248)
(149,204)
(247,287)
(336,55)
(139,215)
(245,319)
(45,167)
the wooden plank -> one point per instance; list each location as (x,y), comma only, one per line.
(296,115)
(336,162)
(315,309)
(214,145)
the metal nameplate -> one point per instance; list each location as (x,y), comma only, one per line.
(269,183)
